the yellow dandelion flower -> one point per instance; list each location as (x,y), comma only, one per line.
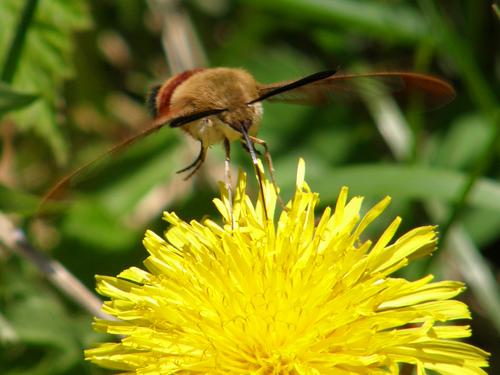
(296,296)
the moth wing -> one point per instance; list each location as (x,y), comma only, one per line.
(341,87)
(158,123)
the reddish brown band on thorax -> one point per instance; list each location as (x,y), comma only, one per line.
(166,92)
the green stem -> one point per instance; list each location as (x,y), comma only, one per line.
(480,93)
(423,58)
(480,167)
(17,44)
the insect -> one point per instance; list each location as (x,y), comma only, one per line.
(222,105)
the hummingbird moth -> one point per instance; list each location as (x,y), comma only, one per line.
(222,105)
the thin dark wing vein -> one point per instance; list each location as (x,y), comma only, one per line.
(183,120)
(345,87)
(290,86)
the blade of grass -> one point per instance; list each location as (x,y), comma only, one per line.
(388,22)
(472,265)
(478,170)
(474,269)
(405,182)
(11,99)
(456,48)
(16,47)
(15,240)
(481,94)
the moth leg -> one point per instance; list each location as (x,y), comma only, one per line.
(269,162)
(258,172)
(245,147)
(196,164)
(227,178)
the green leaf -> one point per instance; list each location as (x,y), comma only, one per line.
(398,181)
(47,343)
(483,225)
(389,22)
(15,201)
(45,61)
(11,99)
(96,227)
(464,142)
(120,181)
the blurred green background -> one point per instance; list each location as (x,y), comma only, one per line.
(74,77)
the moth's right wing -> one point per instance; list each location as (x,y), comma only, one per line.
(175,117)
(324,88)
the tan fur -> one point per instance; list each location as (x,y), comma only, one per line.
(219,88)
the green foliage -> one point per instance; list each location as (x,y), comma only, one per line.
(10,99)
(17,201)
(79,84)
(398,23)
(47,338)
(45,62)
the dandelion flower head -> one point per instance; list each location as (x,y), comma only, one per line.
(299,295)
